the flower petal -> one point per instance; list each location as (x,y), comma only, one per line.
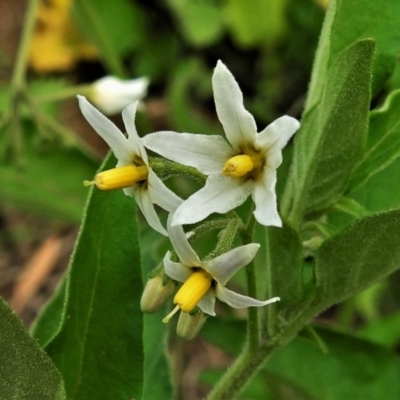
(108,131)
(143,200)
(207,303)
(160,194)
(238,123)
(220,195)
(237,300)
(206,153)
(176,271)
(264,197)
(223,267)
(128,115)
(181,245)
(278,133)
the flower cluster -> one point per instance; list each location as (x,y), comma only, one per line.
(241,165)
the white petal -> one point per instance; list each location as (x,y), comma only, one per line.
(207,303)
(278,133)
(264,197)
(128,115)
(206,153)
(220,195)
(108,131)
(223,267)
(238,123)
(174,270)
(181,245)
(237,300)
(143,200)
(160,194)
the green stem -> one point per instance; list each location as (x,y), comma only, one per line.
(253,319)
(166,169)
(18,77)
(249,362)
(84,90)
(237,376)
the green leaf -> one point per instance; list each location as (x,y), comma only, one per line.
(352,368)
(257,22)
(49,183)
(98,349)
(48,323)
(156,375)
(348,21)
(26,371)
(200,22)
(381,191)
(383,146)
(357,257)
(331,139)
(285,273)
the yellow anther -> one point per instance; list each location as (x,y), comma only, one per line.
(119,178)
(238,166)
(192,291)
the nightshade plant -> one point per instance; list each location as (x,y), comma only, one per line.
(283,222)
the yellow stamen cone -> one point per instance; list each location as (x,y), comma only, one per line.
(119,178)
(238,166)
(192,291)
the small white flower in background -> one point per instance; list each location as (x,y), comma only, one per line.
(132,172)
(204,281)
(111,94)
(244,166)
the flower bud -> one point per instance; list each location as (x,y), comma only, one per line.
(189,324)
(155,294)
(111,95)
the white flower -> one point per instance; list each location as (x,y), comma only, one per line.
(132,172)
(111,94)
(204,281)
(244,166)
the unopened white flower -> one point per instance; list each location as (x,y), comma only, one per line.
(204,281)
(244,166)
(132,172)
(111,94)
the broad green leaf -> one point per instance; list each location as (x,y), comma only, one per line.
(157,381)
(331,139)
(256,22)
(383,146)
(48,323)
(49,183)
(26,371)
(365,252)
(348,21)
(381,192)
(284,264)
(352,368)
(98,349)
(200,22)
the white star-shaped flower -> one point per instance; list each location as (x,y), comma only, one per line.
(204,281)
(111,94)
(132,172)
(244,166)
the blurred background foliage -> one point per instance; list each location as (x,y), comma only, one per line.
(268,46)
